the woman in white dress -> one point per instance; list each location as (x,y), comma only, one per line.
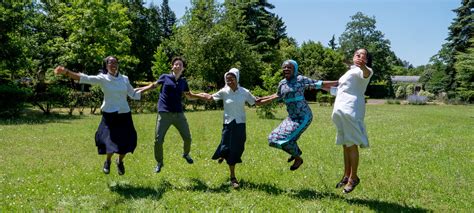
(348,116)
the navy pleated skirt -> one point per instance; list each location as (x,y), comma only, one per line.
(116,134)
(232,144)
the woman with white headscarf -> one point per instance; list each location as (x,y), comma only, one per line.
(291,91)
(234,135)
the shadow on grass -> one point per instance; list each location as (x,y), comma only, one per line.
(132,192)
(309,194)
(199,185)
(37,117)
(380,206)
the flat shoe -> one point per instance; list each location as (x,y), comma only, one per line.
(295,166)
(351,186)
(234,183)
(343,182)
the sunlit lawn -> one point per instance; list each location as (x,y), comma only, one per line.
(421,159)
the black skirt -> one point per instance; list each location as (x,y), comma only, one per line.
(116,134)
(232,144)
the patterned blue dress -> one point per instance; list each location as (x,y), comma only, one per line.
(299,114)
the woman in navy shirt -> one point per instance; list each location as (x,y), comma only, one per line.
(170,109)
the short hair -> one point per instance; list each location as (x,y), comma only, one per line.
(178,58)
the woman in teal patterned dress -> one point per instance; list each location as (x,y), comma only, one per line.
(291,91)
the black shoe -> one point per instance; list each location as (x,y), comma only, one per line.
(295,165)
(120,167)
(220,160)
(188,158)
(351,185)
(234,183)
(106,168)
(291,159)
(158,167)
(343,182)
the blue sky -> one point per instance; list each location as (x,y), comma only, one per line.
(415,28)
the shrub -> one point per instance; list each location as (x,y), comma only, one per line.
(268,110)
(392,101)
(466,96)
(417,100)
(401,91)
(47,96)
(427,94)
(13,99)
(325,98)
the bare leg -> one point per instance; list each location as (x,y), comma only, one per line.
(233,180)
(354,161)
(232,171)
(347,163)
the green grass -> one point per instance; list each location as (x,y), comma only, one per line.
(421,159)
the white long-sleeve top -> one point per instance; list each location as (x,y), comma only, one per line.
(115,91)
(234,103)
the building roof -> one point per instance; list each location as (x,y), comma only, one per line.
(405,78)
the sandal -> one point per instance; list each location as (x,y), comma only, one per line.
(343,182)
(295,165)
(351,185)
(234,183)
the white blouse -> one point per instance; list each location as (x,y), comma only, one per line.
(234,103)
(115,91)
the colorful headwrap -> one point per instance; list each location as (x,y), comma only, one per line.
(295,65)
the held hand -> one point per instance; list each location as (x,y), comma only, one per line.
(138,90)
(205,95)
(59,70)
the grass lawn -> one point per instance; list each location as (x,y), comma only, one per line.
(421,159)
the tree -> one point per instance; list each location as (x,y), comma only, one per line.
(361,33)
(332,43)
(93,31)
(465,73)
(460,31)
(168,19)
(16,38)
(161,63)
(319,62)
(211,46)
(263,29)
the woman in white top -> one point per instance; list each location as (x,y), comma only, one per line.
(116,133)
(348,116)
(234,135)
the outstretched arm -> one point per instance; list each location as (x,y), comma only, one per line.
(66,72)
(328,84)
(146,88)
(266,99)
(203,96)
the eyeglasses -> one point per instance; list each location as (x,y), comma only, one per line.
(112,62)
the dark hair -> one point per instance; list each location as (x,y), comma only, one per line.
(369,57)
(178,58)
(104,70)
